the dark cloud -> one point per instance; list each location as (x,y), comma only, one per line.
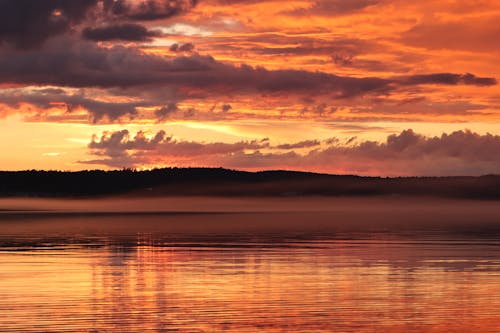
(342,59)
(28,23)
(188,47)
(449,79)
(147,10)
(226,107)
(156,80)
(406,153)
(129,32)
(48,98)
(321,110)
(298,145)
(64,63)
(166,111)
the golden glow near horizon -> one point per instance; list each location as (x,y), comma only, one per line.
(290,72)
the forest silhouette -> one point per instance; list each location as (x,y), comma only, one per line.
(224,182)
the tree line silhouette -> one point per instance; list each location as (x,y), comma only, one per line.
(224,182)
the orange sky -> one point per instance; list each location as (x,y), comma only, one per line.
(325,85)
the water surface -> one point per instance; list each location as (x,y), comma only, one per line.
(320,270)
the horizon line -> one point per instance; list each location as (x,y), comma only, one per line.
(136,170)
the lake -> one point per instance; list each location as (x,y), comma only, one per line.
(249,265)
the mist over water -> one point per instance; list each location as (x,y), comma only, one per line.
(249,265)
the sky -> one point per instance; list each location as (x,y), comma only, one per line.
(368,87)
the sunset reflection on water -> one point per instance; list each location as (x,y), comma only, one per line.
(150,283)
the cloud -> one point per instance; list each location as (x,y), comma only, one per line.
(121,149)
(316,7)
(406,153)
(45,99)
(117,143)
(27,24)
(334,7)
(166,111)
(188,47)
(129,32)
(298,145)
(156,80)
(307,46)
(448,79)
(64,63)
(147,10)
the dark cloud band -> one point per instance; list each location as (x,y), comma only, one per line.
(27,24)
(128,32)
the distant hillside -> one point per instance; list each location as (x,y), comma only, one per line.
(222,182)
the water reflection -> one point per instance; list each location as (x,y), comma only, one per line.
(157,283)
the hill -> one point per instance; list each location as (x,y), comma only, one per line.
(223,182)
